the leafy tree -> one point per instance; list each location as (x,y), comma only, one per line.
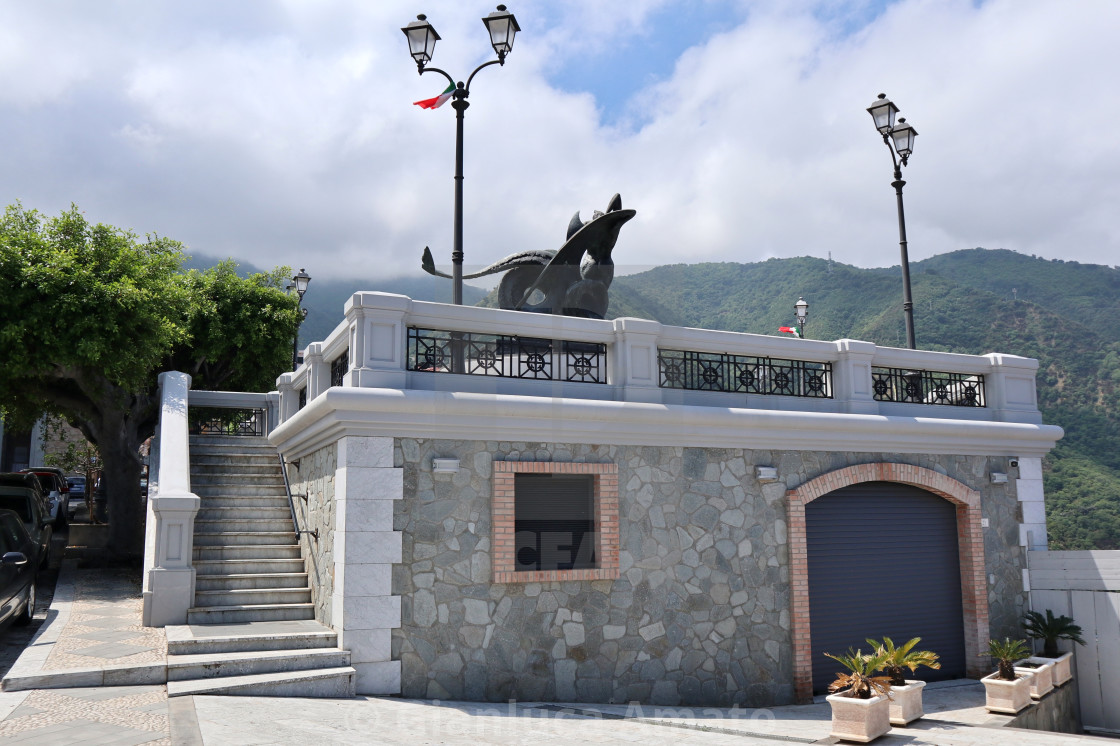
(92,315)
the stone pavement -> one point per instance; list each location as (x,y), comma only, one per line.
(94,675)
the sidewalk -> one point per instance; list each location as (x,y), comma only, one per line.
(93,673)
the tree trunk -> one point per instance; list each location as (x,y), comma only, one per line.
(121,477)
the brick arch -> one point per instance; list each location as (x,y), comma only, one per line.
(970,542)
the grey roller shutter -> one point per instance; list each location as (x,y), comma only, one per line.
(883,562)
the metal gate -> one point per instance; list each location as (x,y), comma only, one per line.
(884,562)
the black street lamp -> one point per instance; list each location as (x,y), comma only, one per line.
(801,308)
(299,285)
(901,136)
(422,38)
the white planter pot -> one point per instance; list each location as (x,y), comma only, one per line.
(1043,670)
(1063,667)
(906,702)
(861,720)
(1008,696)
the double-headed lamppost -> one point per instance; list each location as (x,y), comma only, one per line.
(899,138)
(422,40)
(801,308)
(299,285)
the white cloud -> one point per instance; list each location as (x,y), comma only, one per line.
(284,132)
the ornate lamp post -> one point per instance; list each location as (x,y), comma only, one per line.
(899,138)
(299,285)
(801,308)
(422,39)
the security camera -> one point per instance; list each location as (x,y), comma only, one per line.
(1014,463)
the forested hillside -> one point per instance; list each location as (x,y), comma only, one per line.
(1065,314)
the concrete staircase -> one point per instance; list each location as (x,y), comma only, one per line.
(252,628)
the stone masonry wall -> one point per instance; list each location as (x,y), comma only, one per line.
(700,614)
(315,478)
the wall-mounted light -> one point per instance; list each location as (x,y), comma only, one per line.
(767,473)
(998,477)
(445,465)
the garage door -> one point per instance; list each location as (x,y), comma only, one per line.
(883,562)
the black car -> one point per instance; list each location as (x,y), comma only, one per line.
(18,558)
(77,494)
(22,494)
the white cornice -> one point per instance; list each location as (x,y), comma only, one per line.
(342,411)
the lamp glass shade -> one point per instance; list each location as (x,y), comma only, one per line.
(422,38)
(503,28)
(903,136)
(883,112)
(801,308)
(301,279)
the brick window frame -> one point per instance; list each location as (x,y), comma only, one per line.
(970,545)
(604,494)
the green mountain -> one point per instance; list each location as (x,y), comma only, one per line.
(1065,314)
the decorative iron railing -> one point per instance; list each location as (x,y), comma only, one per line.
(743,374)
(227,422)
(927,387)
(303,397)
(437,351)
(339,366)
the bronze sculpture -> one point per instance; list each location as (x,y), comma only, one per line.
(572,281)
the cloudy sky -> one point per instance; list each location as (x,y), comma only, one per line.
(283,132)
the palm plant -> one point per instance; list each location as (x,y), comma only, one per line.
(859,681)
(897,660)
(1050,629)
(1006,652)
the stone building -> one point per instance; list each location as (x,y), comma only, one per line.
(520,506)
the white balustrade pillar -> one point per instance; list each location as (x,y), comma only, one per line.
(169,579)
(851,377)
(1009,389)
(378,333)
(289,397)
(318,372)
(633,366)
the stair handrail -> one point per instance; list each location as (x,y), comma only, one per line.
(291,501)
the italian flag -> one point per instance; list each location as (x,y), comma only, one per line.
(789,330)
(438,101)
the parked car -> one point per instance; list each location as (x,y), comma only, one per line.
(21,494)
(77,498)
(53,482)
(18,558)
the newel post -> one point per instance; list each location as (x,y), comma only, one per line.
(169,576)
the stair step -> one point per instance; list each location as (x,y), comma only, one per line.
(241,488)
(241,538)
(205,462)
(240,525)
(258,512)
(328,682)
(250,469)
(221,552)
(228,664)
(246,502)
(302,634)
(251,597)
(247,581)
(239,479)
(235,567)
(250,613)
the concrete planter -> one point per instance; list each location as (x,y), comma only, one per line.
(1043,670)
(1063,667)
(1008,696)
(906,702)
(861,720)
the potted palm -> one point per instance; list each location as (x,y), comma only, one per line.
(1050,629)
(1008,690)
(860,700)
(906,694)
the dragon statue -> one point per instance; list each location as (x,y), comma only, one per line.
(572,281)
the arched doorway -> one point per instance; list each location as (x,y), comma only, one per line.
(964,501)
(883,562)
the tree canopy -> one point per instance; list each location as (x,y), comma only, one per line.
(90,316)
